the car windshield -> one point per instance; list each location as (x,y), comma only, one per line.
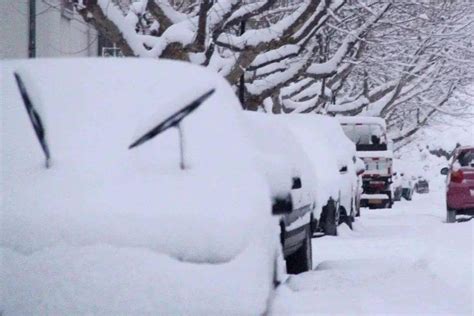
(466,158)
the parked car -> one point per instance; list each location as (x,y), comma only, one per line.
(100,201)
(396,187)
(292,183)
(336,168)
(369,135)
(407,186)
(460,184)
(422,186)
(360,169)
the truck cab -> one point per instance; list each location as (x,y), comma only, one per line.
(369,134)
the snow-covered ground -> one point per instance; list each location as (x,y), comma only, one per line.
(400,261)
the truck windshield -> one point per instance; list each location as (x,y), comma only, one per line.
(367,137)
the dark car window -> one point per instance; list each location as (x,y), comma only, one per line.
(466,158)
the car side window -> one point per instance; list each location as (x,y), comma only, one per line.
(466,158)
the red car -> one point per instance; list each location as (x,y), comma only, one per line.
(460,184)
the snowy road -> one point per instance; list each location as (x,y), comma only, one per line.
(399,261)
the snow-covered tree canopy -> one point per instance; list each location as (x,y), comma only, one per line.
(417,58)
(398,59)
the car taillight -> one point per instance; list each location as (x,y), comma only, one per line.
(457,176)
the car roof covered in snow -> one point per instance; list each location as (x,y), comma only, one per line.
(375,154)
(97,190)
(362,120)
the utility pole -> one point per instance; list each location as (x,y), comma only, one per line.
(32,29)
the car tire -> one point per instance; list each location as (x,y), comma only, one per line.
(302,259)
(451,216)
(345,218)
(331,218)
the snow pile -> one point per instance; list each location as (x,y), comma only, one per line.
(448,132)
(404,261)
(415,158)
(106,280)
(68,233)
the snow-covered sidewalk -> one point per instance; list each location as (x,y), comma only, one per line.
(400,261)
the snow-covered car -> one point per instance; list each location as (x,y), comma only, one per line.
(335,165)
(408,186)
(292,184)
(396,187)
(359,168)
(369,134)
(103,214)
(460,184)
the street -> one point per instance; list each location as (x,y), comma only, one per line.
(404,260)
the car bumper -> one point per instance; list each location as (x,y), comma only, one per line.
(460,198)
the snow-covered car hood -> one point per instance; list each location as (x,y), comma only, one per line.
(99,191)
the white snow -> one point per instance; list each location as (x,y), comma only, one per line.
(110,230)
(362,120)
(400,261)
(279,154)
(375,154)
(328,148)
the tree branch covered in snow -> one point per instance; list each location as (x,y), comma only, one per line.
(393,59)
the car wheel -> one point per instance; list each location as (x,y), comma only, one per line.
(357,211)
(451,216)
(302,259)
(345,218)
(331,218)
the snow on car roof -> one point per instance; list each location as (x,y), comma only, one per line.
(375,154)
(99,191)
(361,120)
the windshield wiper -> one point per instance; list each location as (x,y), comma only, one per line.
(173,120)
(35,119)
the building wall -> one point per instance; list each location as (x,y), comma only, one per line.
(57,34)
(13,28)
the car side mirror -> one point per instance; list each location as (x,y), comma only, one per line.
(296,183)
(343,169)
(282,205)
(445,171)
